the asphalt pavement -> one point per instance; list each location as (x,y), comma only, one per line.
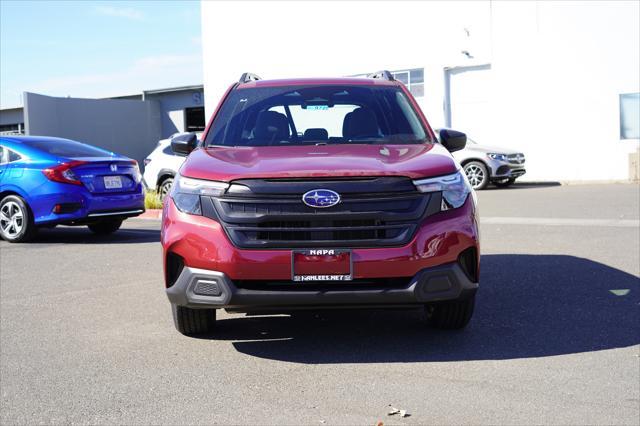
(86,334)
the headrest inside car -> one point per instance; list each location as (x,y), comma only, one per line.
(316,135)
(271,126)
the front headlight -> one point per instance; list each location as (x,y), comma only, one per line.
(455,188)
(499,157)
(186,192)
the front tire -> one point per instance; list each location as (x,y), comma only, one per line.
(165,188)
(452,315)
(477,174)
(193,321)
(16,220)
(105,227)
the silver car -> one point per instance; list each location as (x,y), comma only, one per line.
(488,164)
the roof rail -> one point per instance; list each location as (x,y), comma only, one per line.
(247,77)
(384,74)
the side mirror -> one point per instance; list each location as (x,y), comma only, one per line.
(184,143)
(453,140)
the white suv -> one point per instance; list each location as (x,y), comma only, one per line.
(161,165)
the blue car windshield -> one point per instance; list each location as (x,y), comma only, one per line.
(66,148)
(321,114)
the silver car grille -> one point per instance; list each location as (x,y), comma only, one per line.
(516,158)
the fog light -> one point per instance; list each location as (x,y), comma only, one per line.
(66,208)
(207,288)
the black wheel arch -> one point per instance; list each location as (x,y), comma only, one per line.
(163,175)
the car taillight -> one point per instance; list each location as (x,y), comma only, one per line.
(137,175)
(62,173)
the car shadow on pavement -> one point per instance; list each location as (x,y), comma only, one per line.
(527,306)
(523,185)
(82,235)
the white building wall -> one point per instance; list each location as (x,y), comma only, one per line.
(557,69)
(325,39)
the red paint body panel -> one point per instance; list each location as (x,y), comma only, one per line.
(229,163)
(203,244)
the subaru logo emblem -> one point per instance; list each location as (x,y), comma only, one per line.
(321,198)
(114,167)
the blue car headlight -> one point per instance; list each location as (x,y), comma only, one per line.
(455,188)
(186,192)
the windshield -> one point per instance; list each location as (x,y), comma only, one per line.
(287,116)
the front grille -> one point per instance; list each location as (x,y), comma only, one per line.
(516,158)
(380,212)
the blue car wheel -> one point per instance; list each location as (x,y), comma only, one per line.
(16,220)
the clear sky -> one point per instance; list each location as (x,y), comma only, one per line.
(97,48)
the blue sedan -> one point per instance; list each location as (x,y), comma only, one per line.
(48,181)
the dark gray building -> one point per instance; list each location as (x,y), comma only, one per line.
(130,125)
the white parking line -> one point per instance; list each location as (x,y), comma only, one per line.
(615,223)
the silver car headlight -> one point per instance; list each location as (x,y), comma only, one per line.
(455,188)
(499,157)
(186,192)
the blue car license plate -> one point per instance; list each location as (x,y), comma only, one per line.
(112,182)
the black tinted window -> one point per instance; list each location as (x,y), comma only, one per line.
(14,156)
(285,116)
(64,148)
(7,155)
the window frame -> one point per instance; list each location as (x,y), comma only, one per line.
(4,156)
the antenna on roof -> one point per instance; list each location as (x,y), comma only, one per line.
(247,77)
(384,74)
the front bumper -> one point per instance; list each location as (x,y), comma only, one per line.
(205,251)
(500,170)
(200,288)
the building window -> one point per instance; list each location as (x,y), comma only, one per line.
(194,119)
(630,116)
(12,129)
(412,78)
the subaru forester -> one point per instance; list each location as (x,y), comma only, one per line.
(319,193)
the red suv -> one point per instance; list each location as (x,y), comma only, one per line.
(319,193)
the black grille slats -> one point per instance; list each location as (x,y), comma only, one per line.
(272,219)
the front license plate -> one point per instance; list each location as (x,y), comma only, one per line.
(112,182)
(321,265)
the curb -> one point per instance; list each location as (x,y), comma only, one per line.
(151,214)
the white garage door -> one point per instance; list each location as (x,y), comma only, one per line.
(467,93)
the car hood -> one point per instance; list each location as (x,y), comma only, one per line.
(487,149)
(310,161)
